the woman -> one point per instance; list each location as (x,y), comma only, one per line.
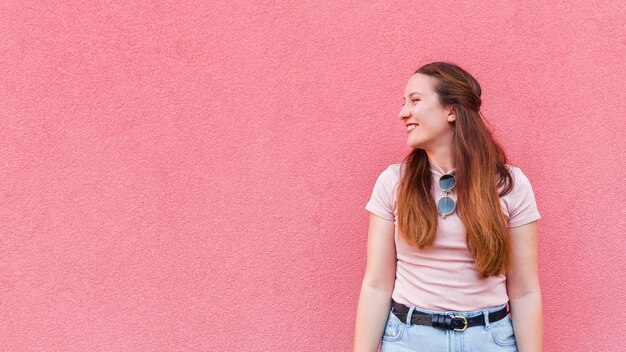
(452,248)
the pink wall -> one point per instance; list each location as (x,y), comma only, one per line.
(192,177)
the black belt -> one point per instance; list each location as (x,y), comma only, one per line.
(444,321)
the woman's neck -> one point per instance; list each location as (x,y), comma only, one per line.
(443,162)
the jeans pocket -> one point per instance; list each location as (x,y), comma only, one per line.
(394,330)
(502,332)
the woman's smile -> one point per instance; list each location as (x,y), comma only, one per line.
(411,128)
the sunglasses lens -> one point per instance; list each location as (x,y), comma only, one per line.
(445,206)
(447,182)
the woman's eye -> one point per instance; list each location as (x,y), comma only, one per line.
(414,99)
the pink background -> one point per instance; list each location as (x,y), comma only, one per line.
(185,176)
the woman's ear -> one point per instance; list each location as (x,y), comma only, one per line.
(451,114)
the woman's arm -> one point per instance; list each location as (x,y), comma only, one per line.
(523,288)
(378,282)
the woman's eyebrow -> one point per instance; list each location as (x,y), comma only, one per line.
(418,93)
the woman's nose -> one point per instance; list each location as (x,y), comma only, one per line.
(404,113)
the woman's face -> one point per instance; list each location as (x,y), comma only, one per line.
(421,107)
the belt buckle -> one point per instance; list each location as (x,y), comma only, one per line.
(464,321)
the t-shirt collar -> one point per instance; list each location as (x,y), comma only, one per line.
(437,170)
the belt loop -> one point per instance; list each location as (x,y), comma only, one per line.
(408,315)
(486,315)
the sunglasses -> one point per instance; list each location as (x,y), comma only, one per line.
(445,205)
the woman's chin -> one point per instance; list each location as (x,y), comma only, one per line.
(412,144)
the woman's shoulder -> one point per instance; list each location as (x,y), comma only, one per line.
(511,167)
(395,168)
(521,183)
(390,176)
(520,204)
(392,172)
(516,172)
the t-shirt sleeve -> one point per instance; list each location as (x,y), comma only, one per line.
(524,208)
(381,200)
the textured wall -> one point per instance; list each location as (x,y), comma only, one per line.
(192,176)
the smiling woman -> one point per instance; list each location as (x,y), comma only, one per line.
(452,233)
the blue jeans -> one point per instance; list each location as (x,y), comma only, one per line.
(403,336)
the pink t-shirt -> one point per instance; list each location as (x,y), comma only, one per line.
(442,277)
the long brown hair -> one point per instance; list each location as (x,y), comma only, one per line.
(479,163)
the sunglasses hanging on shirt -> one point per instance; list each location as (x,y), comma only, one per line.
(446,205)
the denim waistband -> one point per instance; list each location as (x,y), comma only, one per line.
(465,314)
